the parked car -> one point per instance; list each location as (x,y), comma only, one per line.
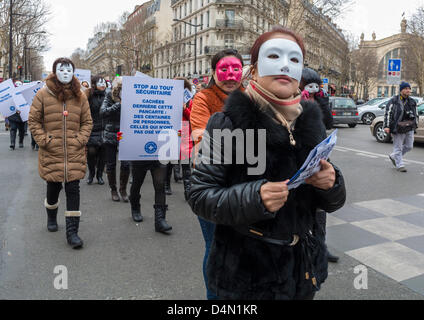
(371,110)
(372,102)
(377,129)
(345,111)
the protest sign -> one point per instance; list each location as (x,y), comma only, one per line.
(151,117)
(83,75)
(7,103)
(188,95)
(141,75)
(24,96)
(312,164)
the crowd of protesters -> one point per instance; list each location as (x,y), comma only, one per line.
(261,240)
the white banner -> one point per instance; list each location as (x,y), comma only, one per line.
(7,103)
(142,75)
(24,96)
(151,119)
(83,75)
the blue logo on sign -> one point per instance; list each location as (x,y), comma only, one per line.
(325,81)
(12,108)
(395,64)
(151,147)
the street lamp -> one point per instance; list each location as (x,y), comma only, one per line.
(11,14)
(26,48)
(195,41)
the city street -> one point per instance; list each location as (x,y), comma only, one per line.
(381,227)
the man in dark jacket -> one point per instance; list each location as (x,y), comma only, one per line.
(401,120)
(16,124)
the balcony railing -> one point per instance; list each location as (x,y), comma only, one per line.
(212,50)
(230,1)
(229,24)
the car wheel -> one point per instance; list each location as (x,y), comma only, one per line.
(380,135)
(368,118)
(352,125)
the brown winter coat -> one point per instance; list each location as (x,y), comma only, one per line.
(62,139)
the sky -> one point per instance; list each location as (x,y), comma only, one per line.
(72,21)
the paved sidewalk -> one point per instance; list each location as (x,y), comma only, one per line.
(386,235)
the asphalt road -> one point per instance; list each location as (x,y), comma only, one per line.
(123,260)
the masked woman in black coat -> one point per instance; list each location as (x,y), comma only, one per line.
(96,149)
(265,246)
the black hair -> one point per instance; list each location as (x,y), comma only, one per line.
(309,76)
(218,57)
(63,61)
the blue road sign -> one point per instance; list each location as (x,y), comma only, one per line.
(395,65)
(325,81)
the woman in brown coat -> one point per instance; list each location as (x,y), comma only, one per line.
(60,121)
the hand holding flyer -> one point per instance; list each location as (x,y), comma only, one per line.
(312,164)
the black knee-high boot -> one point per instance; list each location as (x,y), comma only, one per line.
(136,208)
(52,216)
(72,227)
(160,215)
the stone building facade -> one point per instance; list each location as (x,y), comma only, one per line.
(392,47)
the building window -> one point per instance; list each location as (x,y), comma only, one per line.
(201,45)
(393,90)
(386,91)
(229,18)
(201,22)
(185,9)
(191,6)
(229,41)
(207,19)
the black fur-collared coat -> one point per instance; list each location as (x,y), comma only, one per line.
(244,267)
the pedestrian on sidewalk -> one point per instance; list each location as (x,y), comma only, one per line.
(61,123)
(311,90)
(227,68)
(401,121)
(96,155)
(110,112)
(264,246)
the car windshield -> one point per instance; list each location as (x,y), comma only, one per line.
(373,102)
(344,103)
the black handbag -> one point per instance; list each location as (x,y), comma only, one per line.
(406,126)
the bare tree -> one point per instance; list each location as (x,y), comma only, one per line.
(28,33)
(414,45)
(364,67)
(79,58)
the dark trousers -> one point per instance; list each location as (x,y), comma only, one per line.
(208,232)
(33,143)
(111,153)
(96,159)
(158,172)
(14,127)
(186,171)
(72,190)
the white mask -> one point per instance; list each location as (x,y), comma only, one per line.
(312,88)
(64,73)
(280,57)
(101,83)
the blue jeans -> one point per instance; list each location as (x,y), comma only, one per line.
(208,230)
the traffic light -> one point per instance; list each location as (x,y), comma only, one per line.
(118,71)
(20,69)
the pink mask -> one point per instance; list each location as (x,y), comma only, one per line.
(229,69)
